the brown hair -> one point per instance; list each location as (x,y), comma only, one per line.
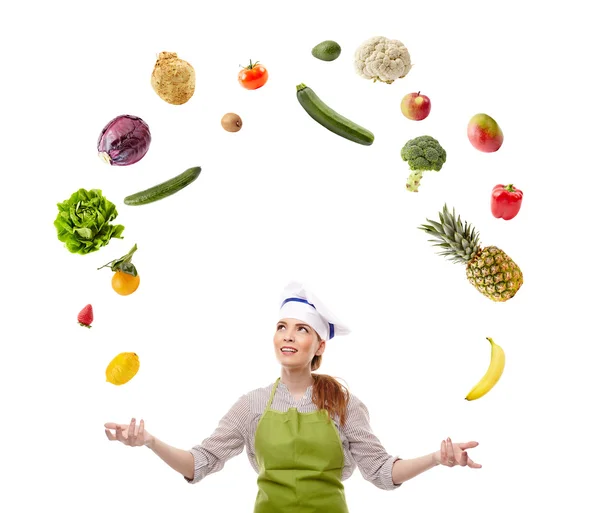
(328,393)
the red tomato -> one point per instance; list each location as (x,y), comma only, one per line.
(253,76)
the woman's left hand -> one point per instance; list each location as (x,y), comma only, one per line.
(455,454)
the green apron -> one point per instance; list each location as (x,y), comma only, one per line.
(300,457)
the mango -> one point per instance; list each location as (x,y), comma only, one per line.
(484,133)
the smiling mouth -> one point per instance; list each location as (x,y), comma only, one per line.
(288,350)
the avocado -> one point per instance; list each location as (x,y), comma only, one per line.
(327,51)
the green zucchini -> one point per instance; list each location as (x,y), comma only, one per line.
(330,119)
(162,190)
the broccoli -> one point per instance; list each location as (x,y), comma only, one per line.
(422,153)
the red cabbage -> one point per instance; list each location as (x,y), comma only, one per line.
(124,141)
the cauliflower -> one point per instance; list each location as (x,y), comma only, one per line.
(382,59)
(423,153)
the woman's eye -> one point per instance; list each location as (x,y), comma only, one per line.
(303,328)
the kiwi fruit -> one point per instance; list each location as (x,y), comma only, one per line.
(231,122)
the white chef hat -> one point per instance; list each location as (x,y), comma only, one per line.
(299,303)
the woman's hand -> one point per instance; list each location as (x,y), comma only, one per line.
(128,433)
(455,454)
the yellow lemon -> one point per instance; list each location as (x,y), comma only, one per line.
(122,368)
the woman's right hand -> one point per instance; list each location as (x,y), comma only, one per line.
(129,434)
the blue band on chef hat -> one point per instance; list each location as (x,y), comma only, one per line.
(300,300)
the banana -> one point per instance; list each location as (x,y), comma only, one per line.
(491,377)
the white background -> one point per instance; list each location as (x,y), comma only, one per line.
(284,199)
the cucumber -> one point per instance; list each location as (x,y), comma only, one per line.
(330,119)
(162,190)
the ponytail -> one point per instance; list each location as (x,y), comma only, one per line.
(328,393)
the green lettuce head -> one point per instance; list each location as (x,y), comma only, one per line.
(83,221)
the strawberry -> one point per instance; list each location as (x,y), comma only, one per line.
(86,316)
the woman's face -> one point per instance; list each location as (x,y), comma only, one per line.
(296,343)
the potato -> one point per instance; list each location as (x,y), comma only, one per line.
(173,79)
(231,122)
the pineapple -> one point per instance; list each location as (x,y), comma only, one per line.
(490,270)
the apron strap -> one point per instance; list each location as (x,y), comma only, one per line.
(273,393)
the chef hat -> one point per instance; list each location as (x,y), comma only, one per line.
(299,303)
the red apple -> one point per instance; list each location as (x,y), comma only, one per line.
(415,106)
(484,133)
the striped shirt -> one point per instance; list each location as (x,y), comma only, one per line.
(237,429)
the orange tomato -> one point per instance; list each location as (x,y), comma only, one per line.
(253,76)
(124,283)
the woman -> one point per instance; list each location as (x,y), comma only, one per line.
(305,433)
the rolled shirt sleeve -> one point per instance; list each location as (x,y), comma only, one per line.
(226,441)
(373,461)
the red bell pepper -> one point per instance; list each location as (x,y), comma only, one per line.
(506,201)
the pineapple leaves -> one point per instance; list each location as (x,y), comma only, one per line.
(458,238)
(448,230)
(434,228)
